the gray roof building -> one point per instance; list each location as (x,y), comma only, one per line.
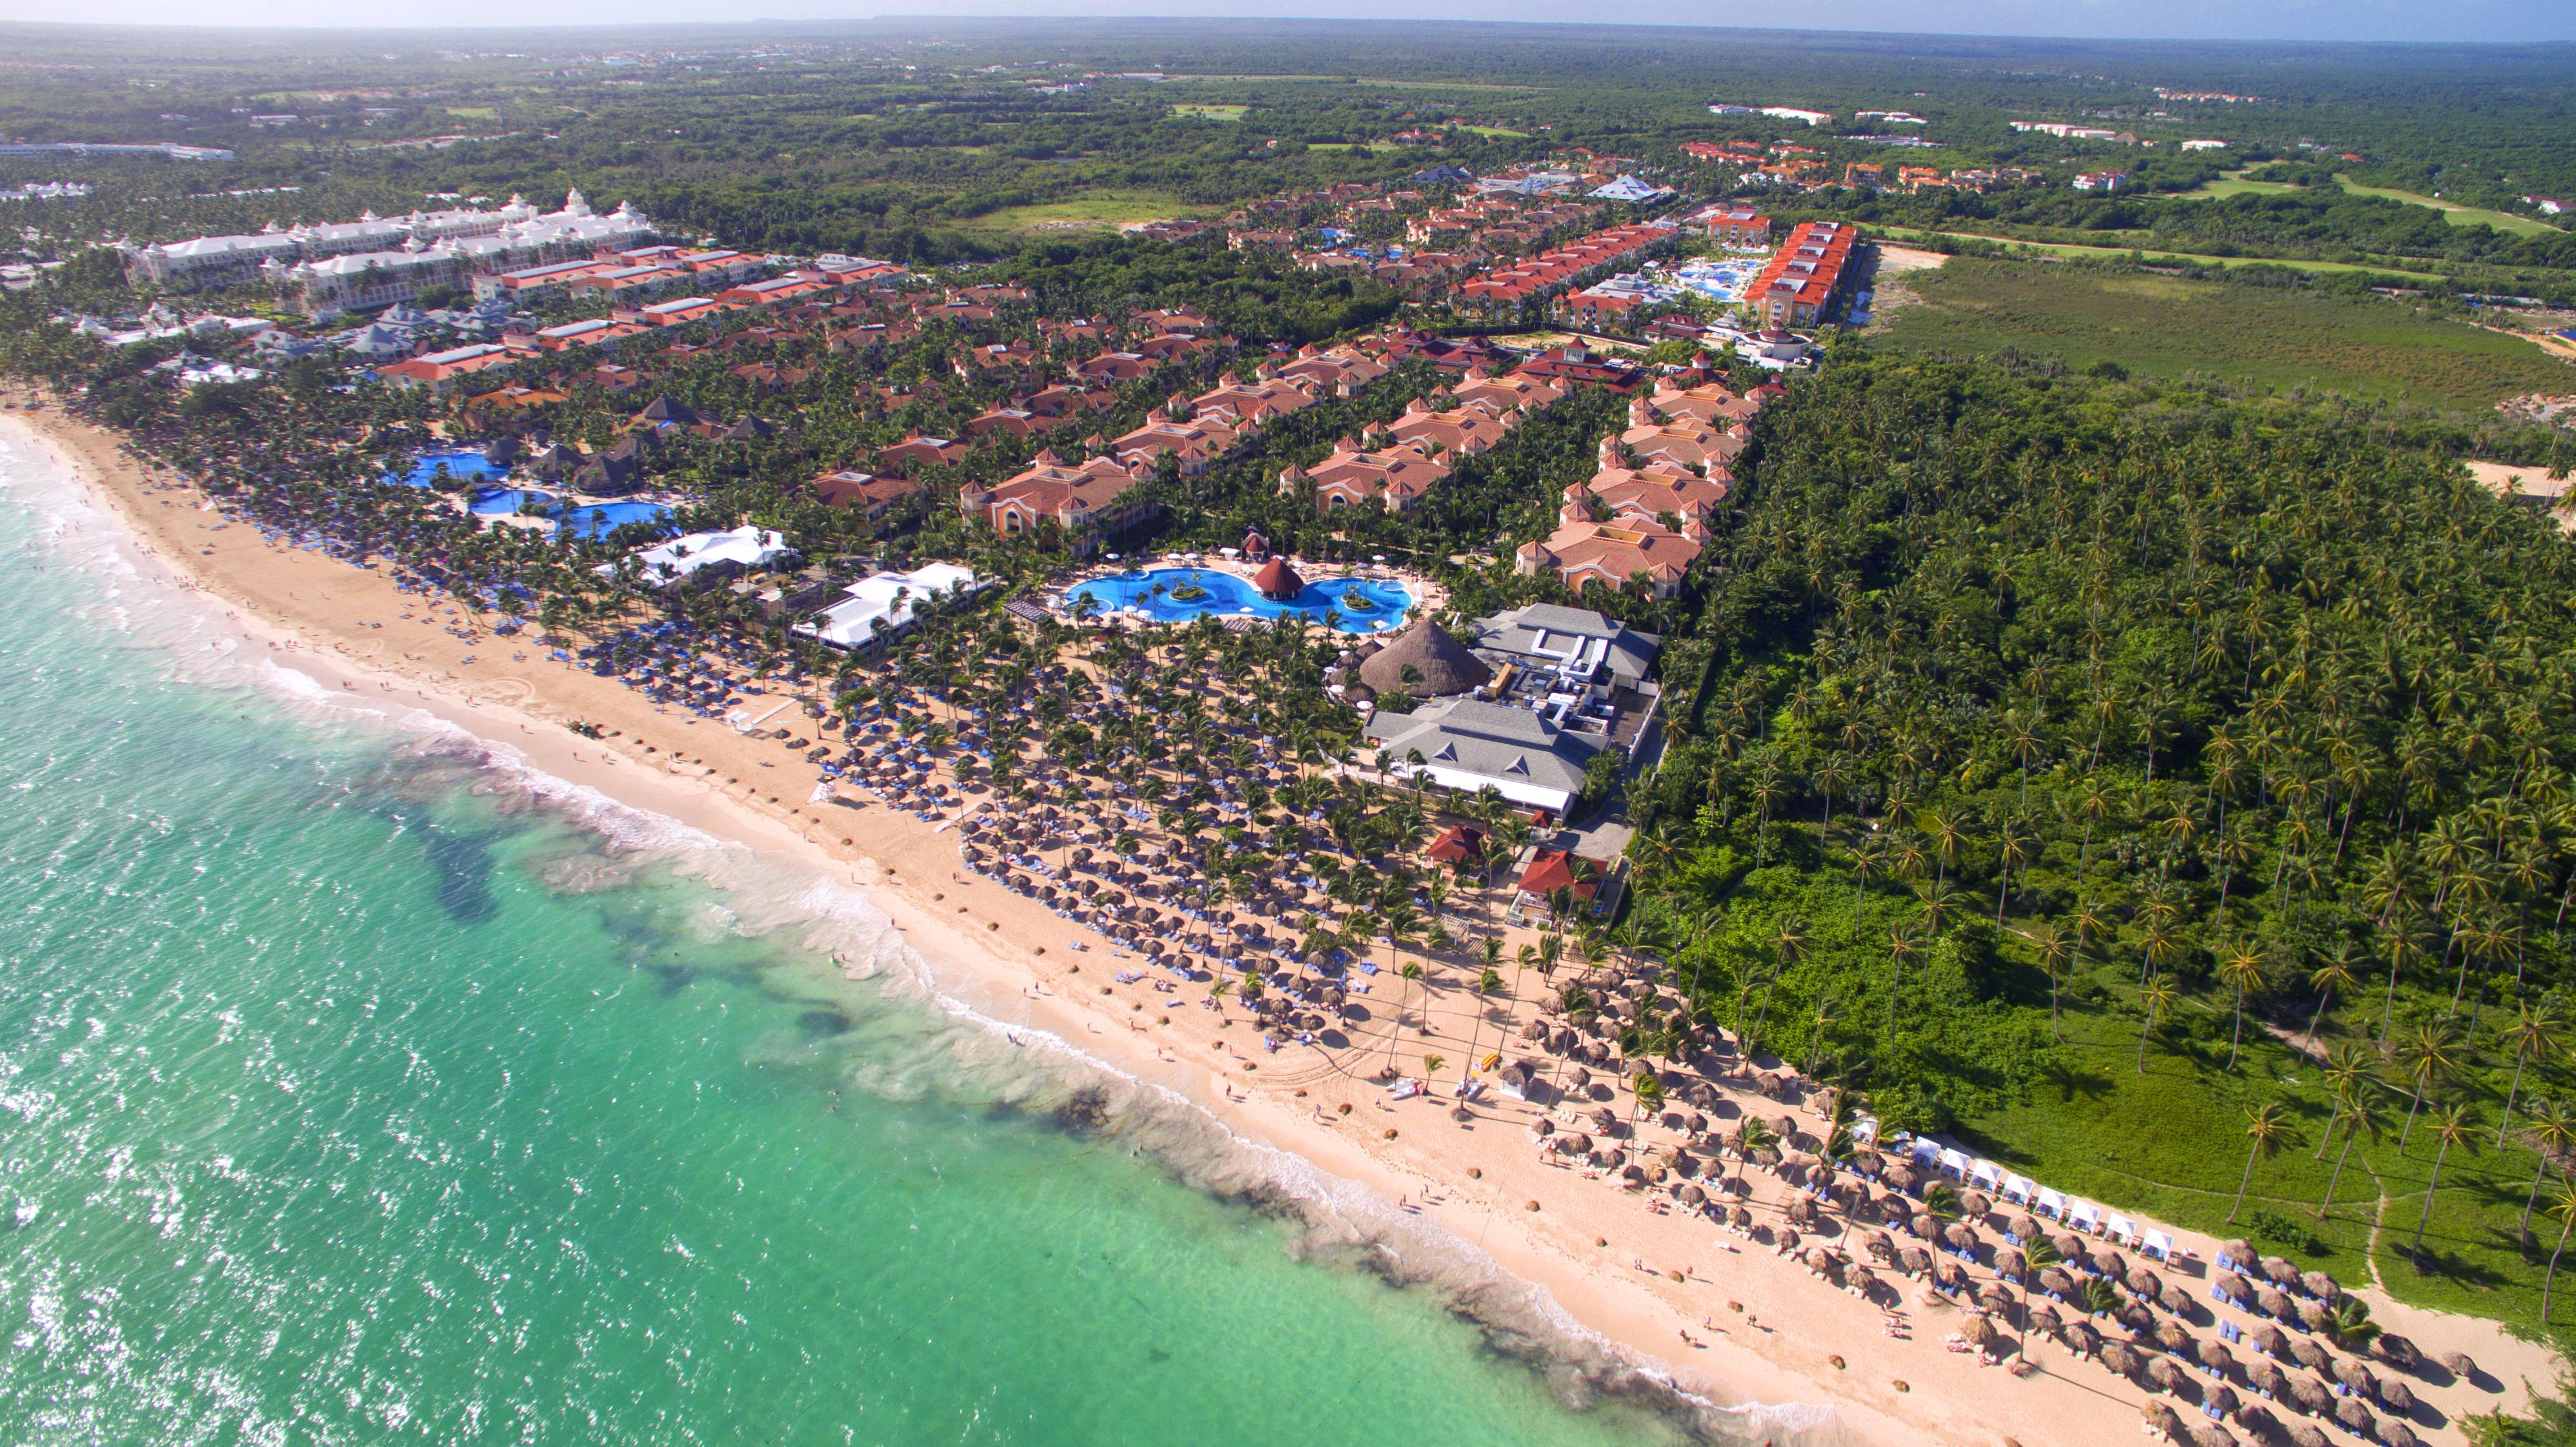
(1467,744)
(1579,643)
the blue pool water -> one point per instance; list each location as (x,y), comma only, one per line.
(490,501)
(598,520)
(462,462)
(1228,594)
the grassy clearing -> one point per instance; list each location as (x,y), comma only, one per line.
(2171,1142)
(2175,327)
(2456,214)
(1505,132)
(1196,112)
(2234,184)
(1352,146)
(2076,252)
(1090,210)
(473,113)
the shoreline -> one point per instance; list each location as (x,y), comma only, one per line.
(987,953)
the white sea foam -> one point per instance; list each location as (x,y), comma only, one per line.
(1008,1061)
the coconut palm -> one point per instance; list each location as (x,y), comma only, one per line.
(2535,1033)
(2356,1112)
(2241,969)
(2159,997)
(2333,977)
(2550,1130)
(2562,1205)
(2265,1125)
(2429,1056)
(2056,951)
(2450,1128)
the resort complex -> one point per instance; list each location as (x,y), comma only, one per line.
(1752,767)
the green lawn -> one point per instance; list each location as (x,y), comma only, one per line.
(2176,327)
(1092,209)
(2456,214)
(1209,112)
(1352,146)
(2171,1143)
(1505,133)
(2234,184)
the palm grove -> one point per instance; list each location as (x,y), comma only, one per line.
(2066,743)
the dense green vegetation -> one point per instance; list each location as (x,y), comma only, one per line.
(2281,338)
(2083,763)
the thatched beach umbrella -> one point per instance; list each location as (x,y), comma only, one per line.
(1960,1236)
(2164,1422)
(2137,1318)
(1901,1176)
(2069,1246)
(2272,1302)
(2175,1299)
(1995,1296)
(2045,1318)
(2350,1412)
(2461,1365)
(1974,1204)
(2209,1434)
(2281,1272)
(2083,1340)
(1949,1274)
(2311,1355)
(2353,1374)
(2144,1282)
(2311,1395)
(2397,1397)
(2021,1225)
(2303,1435)
(2397,1351)
(2320,1286)
(2162,1374)
(2398,1434)
(2111,1264)
(2010,1264)
(1978,1330)
(2214,1355)
(2173,1336)
(2267,1339)
(1739,1218)
(2055,1282)
(2266,1376)
(1819,1259)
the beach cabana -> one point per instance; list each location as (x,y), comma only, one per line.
(2084,1216)
(2051,1203)
(2019,1189)
(2122,1230)
(2157,1244)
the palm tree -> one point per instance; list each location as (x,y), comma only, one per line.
(1411,973)
(2037,1255)
(2536,1031)
(2264,1126)
(2242,969)
(1750,1135)
(1902,945)
(2551,1131)
(2562,1204)
(2326,979)
(2056,950)
(1788,946)
(2159,997)
(2451,1128)
(2430,1055)
(2348,1325)
(2356,1112)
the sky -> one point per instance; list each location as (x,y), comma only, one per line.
(2361,20)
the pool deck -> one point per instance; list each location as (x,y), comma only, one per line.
(1426,593)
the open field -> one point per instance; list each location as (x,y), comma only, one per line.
(2234,184)
(1351,145)
(1504,132)
(2171,1142)
(1196,112)
(1094,209)
(2457,215)
(2076,252)
(2174,327)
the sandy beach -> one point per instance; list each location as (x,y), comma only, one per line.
(1727,1318)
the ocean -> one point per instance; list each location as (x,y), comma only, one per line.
(355,1087)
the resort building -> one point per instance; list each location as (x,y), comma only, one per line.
(865,493)
(1468,745)
(878,607)
(1393,477)
(1577,647)
(694,559)
(1081,501)
(1627,553)
(1804,277)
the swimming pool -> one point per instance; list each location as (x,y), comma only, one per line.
(499,501)
(462,462)
(1719,281)
(599,519)
(1150,593)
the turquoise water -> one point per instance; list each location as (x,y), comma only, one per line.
(491,501)
(463,462)
(598,520)
(1150,593)
(350,1094)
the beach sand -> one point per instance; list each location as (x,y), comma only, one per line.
(1726,1318)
